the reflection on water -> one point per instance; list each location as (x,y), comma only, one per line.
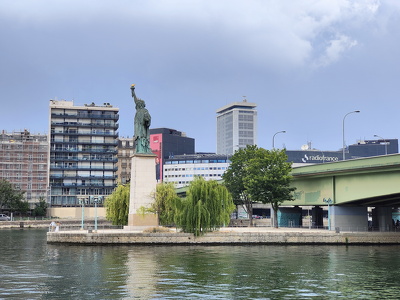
(31,269)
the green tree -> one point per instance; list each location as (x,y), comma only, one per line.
(207,207)
(165,203)
(10,197)
(235,175)
(40,208)
(20,206)
(117,205)
(268,179)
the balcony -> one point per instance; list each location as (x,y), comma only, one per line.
(64,150)
(87,116)
(54,176)
(78,133)
(86,125)
(95,116)
(54,159)
(54,141)
(63,159)
(74,184)
(109,151)
(83,142)
(53,167)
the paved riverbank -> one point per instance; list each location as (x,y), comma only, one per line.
(225,236)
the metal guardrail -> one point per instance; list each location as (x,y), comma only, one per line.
(88,227)
(30,218)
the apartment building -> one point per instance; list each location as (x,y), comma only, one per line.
(23,162)
(82,152)
(126,149)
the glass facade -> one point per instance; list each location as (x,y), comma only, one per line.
(183,169)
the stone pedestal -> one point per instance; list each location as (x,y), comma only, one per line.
(143,184)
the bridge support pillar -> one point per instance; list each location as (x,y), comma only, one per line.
(317,217)
(348,218)
(382,218)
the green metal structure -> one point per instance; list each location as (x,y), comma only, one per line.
(372,181)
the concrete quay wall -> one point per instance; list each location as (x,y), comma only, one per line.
(221,238)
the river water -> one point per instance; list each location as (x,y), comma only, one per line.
(32,269)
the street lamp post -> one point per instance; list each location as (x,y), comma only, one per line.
(329,202)
(273,138)
(96,200)
(82,202)
(48,200)
(375,135)
(344,144)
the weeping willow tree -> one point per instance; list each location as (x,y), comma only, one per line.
(207,207)
(165,202)
(117,205)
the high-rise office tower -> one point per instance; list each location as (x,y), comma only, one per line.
(236,126)
(83,152)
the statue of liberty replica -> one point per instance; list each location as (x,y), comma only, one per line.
(141,125)
(143,169)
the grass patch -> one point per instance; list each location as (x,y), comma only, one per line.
(156,230)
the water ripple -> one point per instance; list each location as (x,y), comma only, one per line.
(31,269)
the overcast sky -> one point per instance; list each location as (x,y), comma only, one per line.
(305,63)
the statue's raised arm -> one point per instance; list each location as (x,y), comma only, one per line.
(133,93)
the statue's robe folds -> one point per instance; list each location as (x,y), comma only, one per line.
(142,132)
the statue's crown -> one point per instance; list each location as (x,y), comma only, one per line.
(141,102)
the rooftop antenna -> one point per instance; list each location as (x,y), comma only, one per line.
(244,99)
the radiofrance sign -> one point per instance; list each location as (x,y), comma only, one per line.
(318,158)
(313,157)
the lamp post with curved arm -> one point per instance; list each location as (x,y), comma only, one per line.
(375,135)
(344,144)
(273,138)
(329,202)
